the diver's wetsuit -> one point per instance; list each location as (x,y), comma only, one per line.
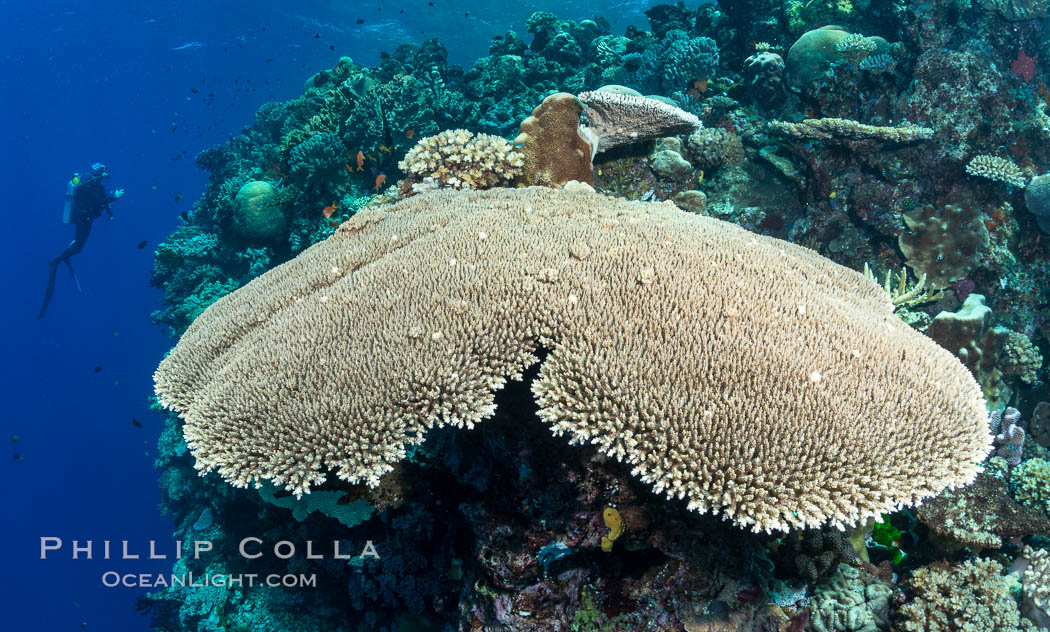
(89,200)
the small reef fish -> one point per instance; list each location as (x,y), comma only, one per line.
(136,422)
(360,160)
(333,223)
(328,210)
(98,369)
(380,179)
(348,169)
(188,45)
(384,148)
(409,133)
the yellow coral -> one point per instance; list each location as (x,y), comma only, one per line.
(614,522)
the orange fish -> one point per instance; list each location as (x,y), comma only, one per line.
(348,169)
(380,179)
(333,223)
(409,133)
(328,210)
(360,160)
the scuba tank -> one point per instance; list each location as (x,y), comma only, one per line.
(67,210)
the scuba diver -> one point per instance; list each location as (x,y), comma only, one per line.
(86,198)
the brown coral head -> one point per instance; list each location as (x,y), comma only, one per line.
(746,375)
(555,150)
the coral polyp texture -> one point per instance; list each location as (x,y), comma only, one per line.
(749,376)
(459,159)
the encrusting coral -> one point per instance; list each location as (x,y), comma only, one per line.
(944,243)
(459,159)
(411,315)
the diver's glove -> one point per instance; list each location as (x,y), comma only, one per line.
(119,193)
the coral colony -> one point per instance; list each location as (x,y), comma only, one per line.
(733,323)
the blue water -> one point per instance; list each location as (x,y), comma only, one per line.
(85,81)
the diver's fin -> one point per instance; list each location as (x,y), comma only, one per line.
(69,264)
(52,267)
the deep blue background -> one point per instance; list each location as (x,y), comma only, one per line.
(83,81)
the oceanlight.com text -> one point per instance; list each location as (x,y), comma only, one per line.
(113,579)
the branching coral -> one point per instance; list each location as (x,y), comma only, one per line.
(1009,436)
(996,168)
(982,514)
(902,293)
(1036,579)
(971,596)
(413,314)
(458,159)
(1018,356)
(855,48)
(679,60)
(318,162)
(1030,484)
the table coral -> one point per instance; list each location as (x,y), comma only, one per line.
(476,321)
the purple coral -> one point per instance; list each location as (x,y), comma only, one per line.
(1009,437)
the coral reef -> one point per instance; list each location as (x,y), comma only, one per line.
(1035,577)
(831,137)
(1030,484)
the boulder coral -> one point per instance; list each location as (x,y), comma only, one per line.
(748,376)
(257,217)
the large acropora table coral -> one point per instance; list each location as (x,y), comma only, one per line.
(668,402)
